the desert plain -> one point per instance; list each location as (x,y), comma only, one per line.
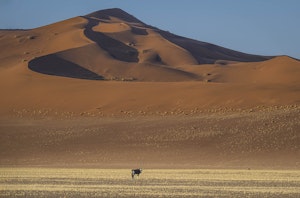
(107,91)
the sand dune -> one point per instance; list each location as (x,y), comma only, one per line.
(110,65)
(122,39)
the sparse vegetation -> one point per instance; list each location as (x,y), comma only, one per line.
(122,78)
(42,182)
(31,37)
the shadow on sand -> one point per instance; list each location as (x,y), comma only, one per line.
(54,65)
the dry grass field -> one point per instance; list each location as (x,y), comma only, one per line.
(44,182)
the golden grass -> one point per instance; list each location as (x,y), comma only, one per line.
(44,182)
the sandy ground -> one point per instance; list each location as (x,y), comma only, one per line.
(107,90)
(256,138)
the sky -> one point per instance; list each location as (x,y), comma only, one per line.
(264,27)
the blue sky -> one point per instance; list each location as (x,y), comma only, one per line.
(265,27)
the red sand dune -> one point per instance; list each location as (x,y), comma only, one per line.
(110,63)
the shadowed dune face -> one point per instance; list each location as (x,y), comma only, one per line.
(54,65)
(139,31)
(206,53)
(116,49)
